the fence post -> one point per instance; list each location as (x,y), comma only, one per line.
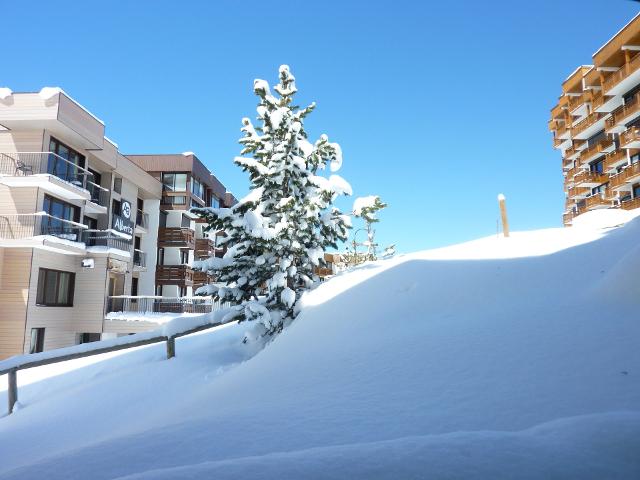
(171,347)
(13,388)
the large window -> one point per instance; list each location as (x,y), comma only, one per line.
(174,182)
(214,202)
(55,288)
(171,200)
(67,170)
(197,188)
(55,224)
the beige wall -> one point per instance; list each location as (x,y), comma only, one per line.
(30,141)
(63,323)
(14,289)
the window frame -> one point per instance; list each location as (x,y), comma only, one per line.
(41,299)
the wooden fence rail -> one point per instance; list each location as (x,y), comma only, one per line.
(131,341)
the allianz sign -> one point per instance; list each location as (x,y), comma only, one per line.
(122,225)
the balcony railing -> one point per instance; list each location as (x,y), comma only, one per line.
(13,227)
(99,195)
(602,146)
(631,204)
(142,219)
(597,200)
(616,77)
(139,258)
(586,177)
(590,120)
(577,101)
(631,172)
(176,237)
(174,275)
(578,192)
(202,278)
(631,134)
(623,112)
(611,160)
(21,164)
(204,248)
(145,304)
(107,239)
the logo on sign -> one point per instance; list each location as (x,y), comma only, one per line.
(126,209)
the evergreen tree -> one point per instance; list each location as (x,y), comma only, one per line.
(367,208)
(278,233)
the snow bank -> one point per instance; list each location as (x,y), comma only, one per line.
(5,93)
(498,358)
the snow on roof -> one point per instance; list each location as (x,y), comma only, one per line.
(47,93)
(186,154)
(5,92)
(616,34)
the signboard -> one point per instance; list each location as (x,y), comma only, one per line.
(122,223)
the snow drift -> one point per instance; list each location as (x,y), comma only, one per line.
(498,358)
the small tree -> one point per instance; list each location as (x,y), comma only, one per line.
(367,209)
(278,233)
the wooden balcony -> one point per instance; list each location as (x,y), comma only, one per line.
(613,160)
(630,138)
(625,71)
(631,204)
(562,132)
(181,275)
(622,115)
(567,218)
(598,100)
(578,192)
(204,248)
(581,127)
(590,179)
(574,150)
(626,177)
(176,237)
(201,278)
(602,147)
(597,201)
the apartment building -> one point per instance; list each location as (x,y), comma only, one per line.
(186,183)
(596,126)
(78,223)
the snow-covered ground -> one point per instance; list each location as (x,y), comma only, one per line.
(498,358)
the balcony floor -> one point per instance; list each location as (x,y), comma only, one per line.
(49,183)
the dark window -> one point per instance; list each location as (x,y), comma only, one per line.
(134,286)
(91,223)
(185,222)
(163,219)
(598,137)
(55,288)
(59,209)
(158,290)
(597,166)
(183,291)
(160,258)
(136,242)
(599,189)
(117,184)
(55,224)
(172,200)
(37,340)
(88,337)
(97,177)
(116,207)
(636,190)
(627,96)
(184,257)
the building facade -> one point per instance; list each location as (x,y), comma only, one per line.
(596,126)
(186,183)
(78,224)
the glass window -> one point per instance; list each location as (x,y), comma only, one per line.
(636,190)
(37,340)
(55,288)
(174,182)
(67,170)
(173,200)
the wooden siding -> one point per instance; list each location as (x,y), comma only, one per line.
(15,266)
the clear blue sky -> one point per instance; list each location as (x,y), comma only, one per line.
(438,106)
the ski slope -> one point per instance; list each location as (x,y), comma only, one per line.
(497,358)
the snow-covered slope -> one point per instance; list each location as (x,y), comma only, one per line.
(499,358)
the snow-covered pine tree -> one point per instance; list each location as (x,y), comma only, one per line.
(367,208)
(280,230)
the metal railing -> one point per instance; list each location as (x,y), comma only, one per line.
(142,219)
(147,304)
(99,195)
(106,238)
(139,258)
(22,226)
(21,164)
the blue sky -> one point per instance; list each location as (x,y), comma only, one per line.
(438,106)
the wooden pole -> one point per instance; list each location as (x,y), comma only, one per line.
(171,347)
(13,389)
(503,214)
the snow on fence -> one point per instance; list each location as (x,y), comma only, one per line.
(177,328)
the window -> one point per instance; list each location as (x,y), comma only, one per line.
(183,291)
(91,223)
(597,167)
(184,257)
(97,177)
(163,219)
(134,286)
(214,202)
(37,340)
(174,182)
(116,207)
(117,184)
(195,203)
(59,209)
(65,163)
(55,224)
(636,190)
(158,290)
(197,188)
(160,259)
(171,200)
(88,337)
(599,189)
(185,222)
(55,288)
